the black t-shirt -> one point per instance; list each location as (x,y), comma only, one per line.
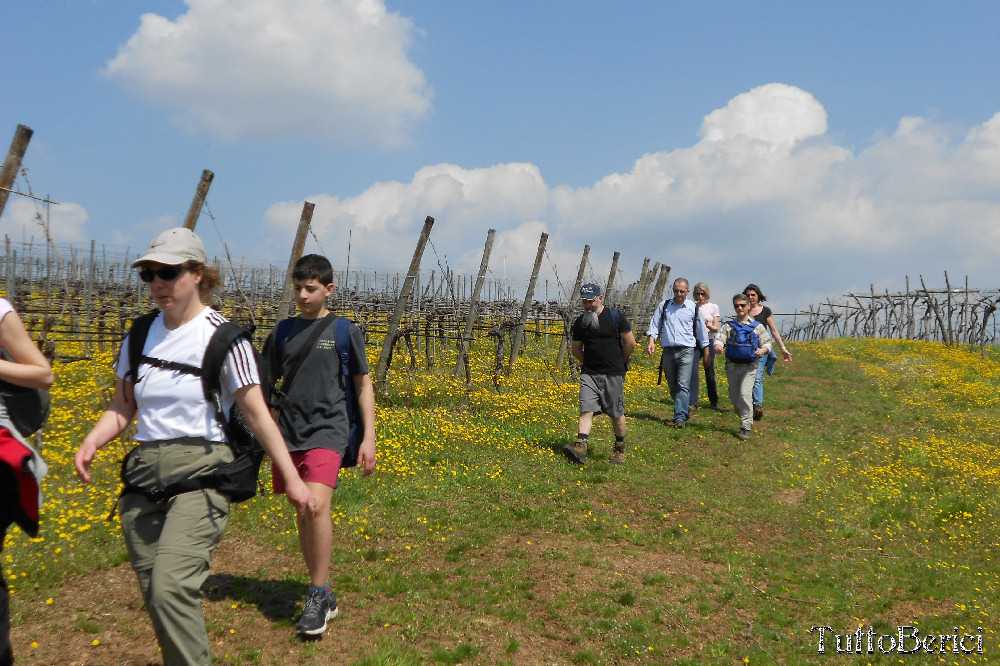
(602,349)
(314,413)
(764,313)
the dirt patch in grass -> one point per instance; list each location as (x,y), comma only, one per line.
(252,599)
(790,496)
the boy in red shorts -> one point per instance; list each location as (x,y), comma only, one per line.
(313,420)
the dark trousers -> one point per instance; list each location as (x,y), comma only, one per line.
(6,651)
(710,385)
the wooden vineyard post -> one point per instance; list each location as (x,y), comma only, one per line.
(199,199)
(611,278)
(635,301)
(647,293)
(90,298)
(401,302)
(932,304)
(470,317)
(661,284)
(572,306)
(298,245)
(947,288)
(515,348)
(909,312)
(11,163)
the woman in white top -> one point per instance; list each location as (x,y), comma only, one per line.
(170,542)
(24,365)
(710,313)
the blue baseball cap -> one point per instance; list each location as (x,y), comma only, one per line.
(589,291)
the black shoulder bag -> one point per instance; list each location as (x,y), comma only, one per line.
(27,408)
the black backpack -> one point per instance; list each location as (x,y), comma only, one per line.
(236,479)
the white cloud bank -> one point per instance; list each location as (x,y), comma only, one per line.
(764,196)
(25,220)
(331,69)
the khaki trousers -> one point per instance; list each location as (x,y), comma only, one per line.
(741,377)
(170,543)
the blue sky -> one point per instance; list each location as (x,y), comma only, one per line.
(813,148)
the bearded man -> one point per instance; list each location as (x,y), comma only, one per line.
(603,343)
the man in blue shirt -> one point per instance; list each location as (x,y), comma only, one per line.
(681,333)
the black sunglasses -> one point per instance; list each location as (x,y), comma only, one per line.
(165,273)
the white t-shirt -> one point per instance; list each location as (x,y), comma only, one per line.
(709,311)
(5,308)
(172,404)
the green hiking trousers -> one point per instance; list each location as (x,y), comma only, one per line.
(170,543)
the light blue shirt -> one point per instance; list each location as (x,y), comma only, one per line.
(679,325)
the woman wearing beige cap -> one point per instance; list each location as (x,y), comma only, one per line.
(170,542)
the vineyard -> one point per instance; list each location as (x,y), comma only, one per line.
(866,500)
(89,295)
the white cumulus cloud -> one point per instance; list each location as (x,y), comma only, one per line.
(278,69)
(765,196)
(776,114)
(464,203)
(25,219)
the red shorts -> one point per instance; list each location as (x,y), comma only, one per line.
(313,465)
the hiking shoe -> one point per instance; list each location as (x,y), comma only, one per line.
(758,412)
(618,457)
(577,451)
(744,433)
(679,423)
(318,610)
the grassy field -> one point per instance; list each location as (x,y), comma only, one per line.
(866,499)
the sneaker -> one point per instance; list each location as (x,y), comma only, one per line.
(618,457)
(577,451)
(744,433)
(319,609)
(758,412)
(679,423)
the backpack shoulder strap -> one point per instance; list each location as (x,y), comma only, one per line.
(342,338)
(136,341)
(616,319)
(355,421)
(281,332)
(222,339)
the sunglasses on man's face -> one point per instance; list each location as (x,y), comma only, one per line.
(165,273)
